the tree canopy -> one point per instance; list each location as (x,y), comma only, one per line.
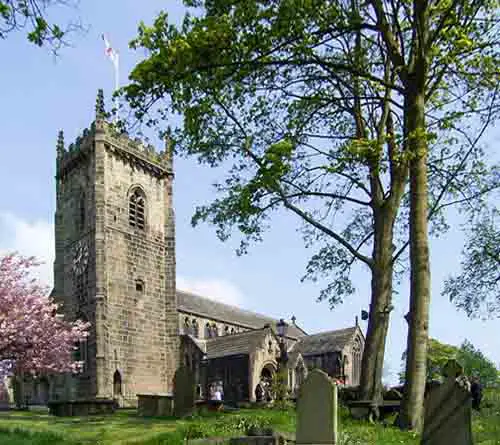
(320,108)
(32,15)
(476,290)
(475,363)
(34,338)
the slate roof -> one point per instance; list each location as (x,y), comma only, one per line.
(206,307)
(234,344)
(324,341)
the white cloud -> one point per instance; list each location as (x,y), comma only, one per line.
(217,289)
(36,238)
(29,238)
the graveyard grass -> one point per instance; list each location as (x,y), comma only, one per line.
(125,428)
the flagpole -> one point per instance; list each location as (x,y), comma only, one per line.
(117,84)
(114,57)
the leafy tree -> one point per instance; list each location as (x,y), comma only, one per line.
(33,337)
(32,14)
(476,290)
(324,109)
(475,363)
(437,355)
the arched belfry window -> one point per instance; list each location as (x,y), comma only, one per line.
(117,383)
(137,209)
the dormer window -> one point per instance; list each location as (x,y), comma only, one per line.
(136,209)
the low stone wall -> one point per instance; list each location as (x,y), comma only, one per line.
(155,405)
(89,407)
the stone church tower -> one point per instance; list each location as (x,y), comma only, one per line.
(115,262)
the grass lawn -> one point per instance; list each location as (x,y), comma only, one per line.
(125,428)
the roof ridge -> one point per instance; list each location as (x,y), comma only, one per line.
(193,294)
(328,332)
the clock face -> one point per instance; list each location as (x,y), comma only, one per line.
(80,257)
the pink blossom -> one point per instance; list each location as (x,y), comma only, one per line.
(33,338)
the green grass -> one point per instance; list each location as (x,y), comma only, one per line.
(486,424)
(126,428)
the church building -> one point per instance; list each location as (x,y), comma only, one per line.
(115,267)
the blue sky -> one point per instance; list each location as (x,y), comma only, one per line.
(41,95)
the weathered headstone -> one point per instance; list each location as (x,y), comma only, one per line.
(184,391)
(448,410)
(317,410)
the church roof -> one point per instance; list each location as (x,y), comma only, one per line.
(206,307)
(234,344)
(325,341)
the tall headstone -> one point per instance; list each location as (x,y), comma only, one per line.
(184,391)
(448,410)
(317,410)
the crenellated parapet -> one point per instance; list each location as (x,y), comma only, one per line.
(115,141)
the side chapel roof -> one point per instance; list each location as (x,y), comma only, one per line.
(325,341)
(242,343)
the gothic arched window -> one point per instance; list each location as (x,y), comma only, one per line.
(356,361)
(187,326)
(196,330)
(137,209)
(208,330)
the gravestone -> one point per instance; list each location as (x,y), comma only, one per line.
(184,391)
(317,410)
(448,410)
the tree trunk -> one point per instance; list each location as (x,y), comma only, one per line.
(380,305)
(411,414)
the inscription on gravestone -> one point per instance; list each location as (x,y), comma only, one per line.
(317,410)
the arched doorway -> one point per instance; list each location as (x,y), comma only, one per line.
(117,384)
(266,378)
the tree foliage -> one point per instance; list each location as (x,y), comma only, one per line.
(311,107)
(476,290)
(34,338)
(32,15)
(475,363)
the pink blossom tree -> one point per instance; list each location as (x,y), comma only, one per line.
(34,338)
